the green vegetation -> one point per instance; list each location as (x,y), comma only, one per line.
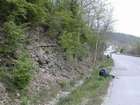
(62,19)
(72,83)
(121,38)
(54,91)
(41,96)
(93,87)
(23,71)
(63,85)
(22,11)
(82,75)
(6,79)
(67,21)
(71,23)
(126,44)
(47,51)
(13,37)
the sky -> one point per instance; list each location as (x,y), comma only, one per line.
(127,14)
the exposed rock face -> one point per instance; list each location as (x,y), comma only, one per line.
(49,66)
(3,95)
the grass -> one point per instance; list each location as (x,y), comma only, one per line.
(47,51)
(93,87)
(26,98)
(62,84)
(6,79)
(40,97)
(72,83)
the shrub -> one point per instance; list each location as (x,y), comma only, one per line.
(72,83)
(6,79)
(62,84)
(47,51)
(13,37)
(23,71)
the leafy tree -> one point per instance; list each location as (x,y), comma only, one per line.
(134,49)
(99,13)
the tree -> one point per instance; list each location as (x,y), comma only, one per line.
(21,11)
(13,37)
(23,71)
(100,21)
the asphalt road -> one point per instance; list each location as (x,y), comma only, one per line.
(126,89)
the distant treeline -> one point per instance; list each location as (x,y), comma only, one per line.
(121,38)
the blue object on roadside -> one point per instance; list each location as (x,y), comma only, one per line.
(104,73)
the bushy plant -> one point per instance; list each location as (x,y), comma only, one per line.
(36,13)
(62,84)
(72,83)
(47,51)
(6,79)
(13,37)
(32,12)
(23,71)
(70,44)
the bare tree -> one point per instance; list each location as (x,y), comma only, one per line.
(99,15)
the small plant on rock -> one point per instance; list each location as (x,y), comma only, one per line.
(47,51)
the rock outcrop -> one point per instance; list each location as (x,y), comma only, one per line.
(50,66)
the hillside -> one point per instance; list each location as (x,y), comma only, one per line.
(47,46)
(121,38)
(52,73)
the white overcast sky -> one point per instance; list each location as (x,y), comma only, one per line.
(127,14)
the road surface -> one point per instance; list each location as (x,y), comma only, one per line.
(126,89)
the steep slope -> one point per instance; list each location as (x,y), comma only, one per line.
(52,72)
